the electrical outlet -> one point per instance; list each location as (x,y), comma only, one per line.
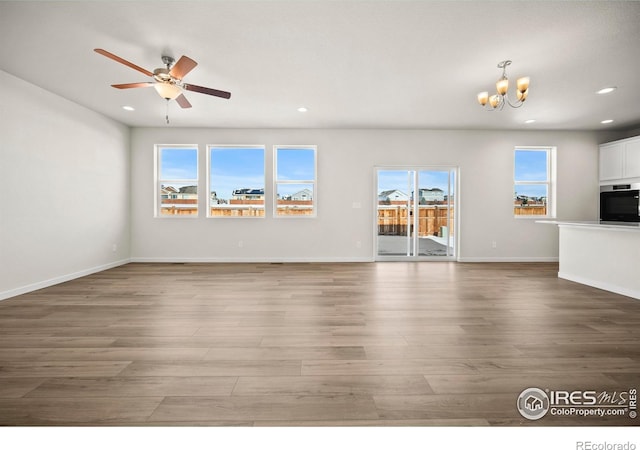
(494,244)
(114,248)
(358,244)
(240,244)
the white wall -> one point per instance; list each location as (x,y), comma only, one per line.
(345,165)
(64,173)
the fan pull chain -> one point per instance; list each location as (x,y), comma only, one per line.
(167,114)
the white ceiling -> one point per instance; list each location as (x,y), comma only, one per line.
(353,64)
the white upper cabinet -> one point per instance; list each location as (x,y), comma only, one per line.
(620,160)
(611,157)
(631,168)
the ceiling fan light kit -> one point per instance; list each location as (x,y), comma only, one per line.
(167,80)
(498,100)
(167,91)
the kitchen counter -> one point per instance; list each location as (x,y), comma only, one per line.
(605,255)
(620,226)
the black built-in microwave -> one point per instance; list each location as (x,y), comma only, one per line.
(620,203)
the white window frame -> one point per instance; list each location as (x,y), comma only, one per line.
(313,183)
(550,182)
(210,147)
(158,182)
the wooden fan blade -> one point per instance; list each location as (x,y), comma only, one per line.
(122,61)
(206,90)
(182,67)
(132,85)
(182,101)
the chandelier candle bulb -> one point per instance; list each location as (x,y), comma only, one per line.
(502,86)
(483,98)
(523,84)
(494,100)
(522,96)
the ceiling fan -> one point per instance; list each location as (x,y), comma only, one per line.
(167,80)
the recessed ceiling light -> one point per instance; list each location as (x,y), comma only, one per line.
(607,121)
(302,109)
(530,121)
(128,108)
(606,90)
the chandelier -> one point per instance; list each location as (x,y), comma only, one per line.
(498,100)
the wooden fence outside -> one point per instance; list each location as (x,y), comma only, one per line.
(530,210)
(236,208)
(432,220)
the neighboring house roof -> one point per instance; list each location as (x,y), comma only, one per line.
(431,194)
(247,191)
(389,193)
(189,190)
(303,193)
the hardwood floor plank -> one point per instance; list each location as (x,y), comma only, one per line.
(515,338)
(629,379)
(529,327)
(446,406)
(18,387)
(277,330)
(188,423)
(284,353)
(330,341)
(332,385)
(445,351)
(570,421)
(386,367)
(69,411)
(376,423)
(114,331)
(567,365)
(513,384)
(397,330)
(186,342)
(631,350)
(39,369)
(211,368)
(27,341)
(103,354)
(282,407)
(121,387)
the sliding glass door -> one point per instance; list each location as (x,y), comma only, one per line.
(415,213)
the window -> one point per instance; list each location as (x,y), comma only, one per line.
(177,181)
(533,189)
(236,181)
(295,181)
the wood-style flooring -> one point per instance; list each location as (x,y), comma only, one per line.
(430,343)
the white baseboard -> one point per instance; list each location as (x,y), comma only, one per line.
(306,259)
(61,279)
(600,285)
(508,259)
(270,259)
